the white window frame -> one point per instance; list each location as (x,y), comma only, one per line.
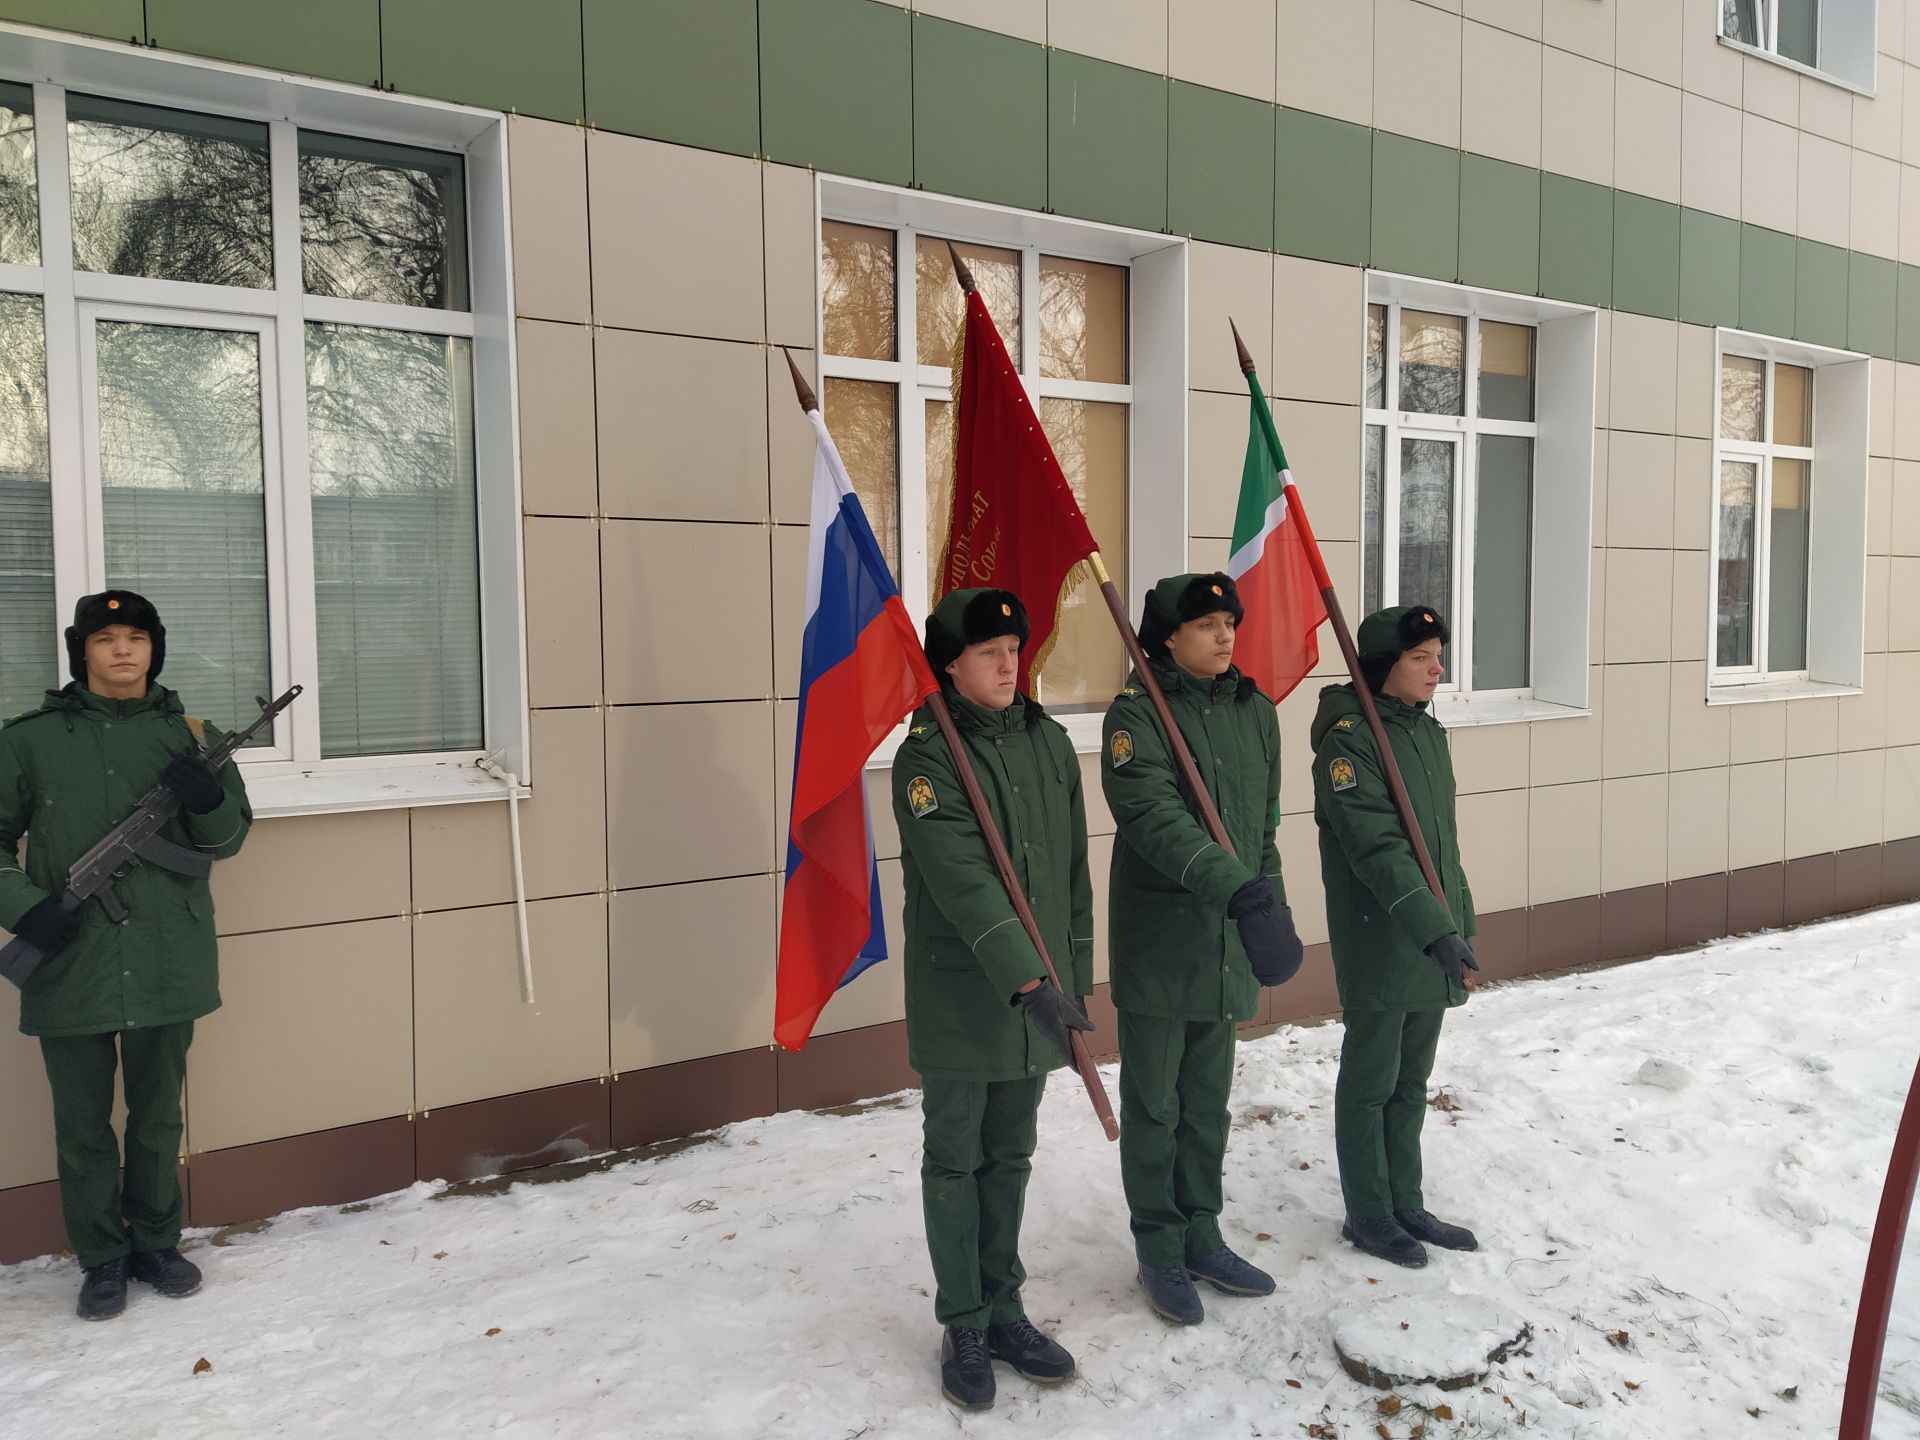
(291,777)
(1155,393)
(1566,339)
(1836,524)
(1846,41)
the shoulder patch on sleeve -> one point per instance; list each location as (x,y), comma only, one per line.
(921,730)
(920,797)
(1120,748)
(1340,772)
(1131,690)
(1346,722)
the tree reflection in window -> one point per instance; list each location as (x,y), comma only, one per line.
(26,509)
(382,222)
(169,195)
(19,197)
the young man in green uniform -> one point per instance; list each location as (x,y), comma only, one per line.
(1398,952)
(984,1026)
(1193,932)
(110,994)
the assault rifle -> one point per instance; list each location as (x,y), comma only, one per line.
(136,840)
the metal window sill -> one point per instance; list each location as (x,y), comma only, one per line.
(1454,711)
(1798,67)
(333,792)
(1765,690)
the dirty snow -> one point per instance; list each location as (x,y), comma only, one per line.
(1673,1168)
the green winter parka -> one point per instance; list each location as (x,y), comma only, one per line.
(1174,952)
(1381,915)
(69,772)
(967,952)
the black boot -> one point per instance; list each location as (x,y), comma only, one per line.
(1385,1239)
(1231,1275)
(966,1370)
(103,1290)
(168,1271)
(1422,1225)
(1030,1351)
(1171,1294)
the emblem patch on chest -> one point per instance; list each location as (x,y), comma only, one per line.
(920,797)
(1121,747)
(1340,772)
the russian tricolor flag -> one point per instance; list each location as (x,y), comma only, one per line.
(862,672)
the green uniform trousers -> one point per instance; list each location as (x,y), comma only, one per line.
(1175,1076)
(1379,1104)
(105,1218)
(978,1152)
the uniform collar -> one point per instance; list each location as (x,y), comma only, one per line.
(1173,680)
(158,697)
(969,716)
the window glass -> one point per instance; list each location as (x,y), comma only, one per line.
(857,290)
(1433,357)
(19,194)
(1744,20)
(860,415)
(1502,562)
(1376,377)
(1792,405)
(29,660)
(1083,320)
(1787,564)
(1426,523)
(1743,392)
(1373,485)
(396,540)
(1506,371)
(382,222)
(169,195)
(1733,624)
(1088,661)
(942,305)
(1800,30)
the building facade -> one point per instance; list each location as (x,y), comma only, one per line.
(429,353)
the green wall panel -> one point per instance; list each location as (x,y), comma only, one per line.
(116,19)
(1576,240)
(500,54)
(1499,225)
(1416,207)
(686,71)
(1220,166)
(1907,336)
(1106,141)
(1646,256)
(1820,294)
(1709,269)
(979,114)
(339,40)
(1871,304)
(1766,281)
(836,87)
(1323,188)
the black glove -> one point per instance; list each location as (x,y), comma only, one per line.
(1450,952)
(1266,931)
(199,789)
(1053,1015)
(47,927)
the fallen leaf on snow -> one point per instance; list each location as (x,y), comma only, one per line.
(495,1330)
(202,1365)
(439,1254)
(1293,1384)
(1389,1405)
(1263,1235)
(1443,1412)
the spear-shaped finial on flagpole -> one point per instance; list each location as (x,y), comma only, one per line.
(960,270)
(808,400)
(1246,356)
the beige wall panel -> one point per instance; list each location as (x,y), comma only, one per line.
(1756,814)
(1706,66)
(1299,842)
(1880,390)
(1206,553)
(316,1032)
(1897,520)
(1327,57)
(1771,90)
(26,1140)
(1826,110)
(1323,452)
(1576,117)
(1343,568)
(1813,806)
(475,1037)
(1639,605)
(1826,171)
(1876,618)
(1876,118)
(1880,503)
(1874,225)
(558,469)
(1494,849)
(790,438)
(1127,32)
(1563,842)
(549,165)
(1633,832)
(683,427)
(1216,447)
(1597,613)
(1909,246)
(1759,731)
(1645,362)
(1227,283)
(692,605)
(1603,370)
(1813,726)
(1698,734)
(1903,793)
(1562,751)
(1697,384)
(1228,44)
(787,200)
(676,239)
(1710,155)
(1584,26)
(1910,123)
(1500,95)
(1769,174)
(1100,872)
(1903,596)
(1416,71)
(314,870)
(1646,117)
(1903,698)
(563,611)
(1861,720)
(879,995)
(1025,18)
(1602,463)
(1634,733)
(1696,823)
(1906,412)
(1639,490)
(1320,316)
(1296,714)
(1648,36)
(1691,576)
(1860,785)
(1522,17)
(789,607)
(1099,817)
(689,793)
(1489,757)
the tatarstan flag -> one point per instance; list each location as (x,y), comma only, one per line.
(1276,563)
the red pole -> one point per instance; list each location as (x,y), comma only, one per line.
(1883,1264)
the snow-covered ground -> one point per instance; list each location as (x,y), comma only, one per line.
(1683,1155)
